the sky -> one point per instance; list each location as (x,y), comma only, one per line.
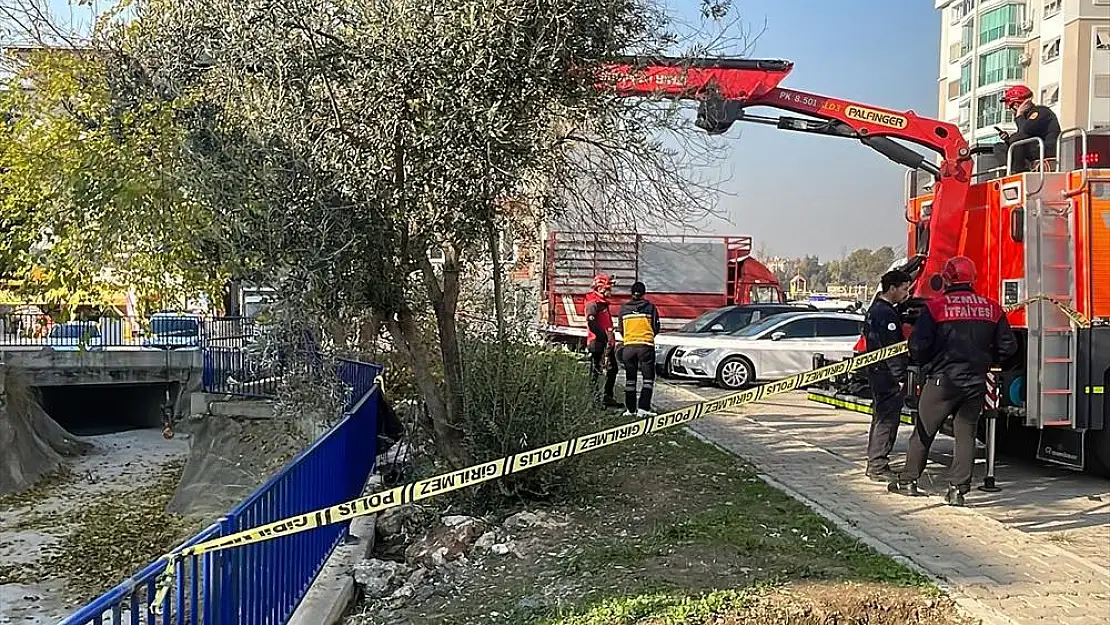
(799,194)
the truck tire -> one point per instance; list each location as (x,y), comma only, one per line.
(1098,452)
(665,370)
(735,372)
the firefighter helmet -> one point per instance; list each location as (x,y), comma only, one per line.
(1016,95)
(602,281)
(959,270)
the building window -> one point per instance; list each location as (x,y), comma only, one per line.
(1102,86)
(1050,95)
(991,111)
(953,89)
(955,52)
(1052,7)
(1005,21)
(967,38)
(965,78)
(1002,64)
(1050,51)
(1102,39)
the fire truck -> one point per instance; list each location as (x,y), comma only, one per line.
(1043,235)
(686,275)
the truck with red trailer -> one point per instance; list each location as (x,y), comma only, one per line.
(686,275)
(1041,240)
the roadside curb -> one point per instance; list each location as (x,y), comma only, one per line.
(970,606)
(333,590)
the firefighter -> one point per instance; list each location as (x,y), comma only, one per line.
(600,339)
(639,323)
(956,339)
(883,327)
(1033,120)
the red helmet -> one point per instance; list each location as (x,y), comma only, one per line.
(1016,95)
(959,270)
(602,281)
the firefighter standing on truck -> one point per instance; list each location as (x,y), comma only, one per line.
(639,323)
(1033,120)
(600,339)
(956,339)
(882,328)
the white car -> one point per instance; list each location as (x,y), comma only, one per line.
(771,349)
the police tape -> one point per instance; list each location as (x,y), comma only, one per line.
(533,458)
(502,467)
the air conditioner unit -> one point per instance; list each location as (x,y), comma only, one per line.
(1025,59)
(1027,26)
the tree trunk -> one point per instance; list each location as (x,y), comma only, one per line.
(448,437)
(368,334)
(498,288)
(35,445)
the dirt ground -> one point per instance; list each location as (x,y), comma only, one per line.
(673,531)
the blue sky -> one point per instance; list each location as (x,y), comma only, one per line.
(803,194)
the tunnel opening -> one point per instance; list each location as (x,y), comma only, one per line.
(89,410)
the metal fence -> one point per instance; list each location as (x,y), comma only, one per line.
(261,583)
(165,331)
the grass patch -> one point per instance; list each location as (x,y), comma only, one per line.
(668,530)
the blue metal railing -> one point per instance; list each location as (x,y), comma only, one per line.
(261,583)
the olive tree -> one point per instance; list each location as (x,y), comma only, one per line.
(338,144)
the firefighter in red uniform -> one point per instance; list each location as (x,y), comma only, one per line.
(600,339)
(1033,120)
(956,338)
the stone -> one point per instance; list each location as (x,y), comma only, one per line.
(486,541)
(444,543)
(400,521)
(378,577)
(526,520)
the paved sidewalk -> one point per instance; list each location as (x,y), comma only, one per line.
(1036,553)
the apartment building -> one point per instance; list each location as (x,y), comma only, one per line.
(1058,48)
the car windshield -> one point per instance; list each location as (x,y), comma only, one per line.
(759,326)
(174,326)
(701,323)
(75,331)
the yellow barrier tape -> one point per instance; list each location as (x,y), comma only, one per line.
(525,460)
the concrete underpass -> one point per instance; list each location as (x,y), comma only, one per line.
(90,409)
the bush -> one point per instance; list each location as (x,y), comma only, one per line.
(518,396)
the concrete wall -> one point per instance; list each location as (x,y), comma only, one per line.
(65,368)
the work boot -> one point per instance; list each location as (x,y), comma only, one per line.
(883,476)
(955,497)
(908,489)
(628,413)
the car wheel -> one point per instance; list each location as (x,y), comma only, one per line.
(667,372)
(735,373)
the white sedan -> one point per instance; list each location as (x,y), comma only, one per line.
(773,348)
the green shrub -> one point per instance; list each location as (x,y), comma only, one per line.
(518,396)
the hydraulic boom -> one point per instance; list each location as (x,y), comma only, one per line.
(725,88)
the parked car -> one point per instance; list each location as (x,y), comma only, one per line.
(175,331)
(718,321)
(778,346)
(75,336)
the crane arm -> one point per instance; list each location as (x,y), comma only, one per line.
(725,88)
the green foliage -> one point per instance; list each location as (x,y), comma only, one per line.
(517,397)
(89,197)
(862,266)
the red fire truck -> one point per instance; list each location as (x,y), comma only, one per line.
(1044,234)
(686,275)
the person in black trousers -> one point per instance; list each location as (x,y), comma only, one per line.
(639,323)
(956,339)
(882,328)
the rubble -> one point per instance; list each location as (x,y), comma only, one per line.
(401,522)
(446,542)
(530,520)
(378,578)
